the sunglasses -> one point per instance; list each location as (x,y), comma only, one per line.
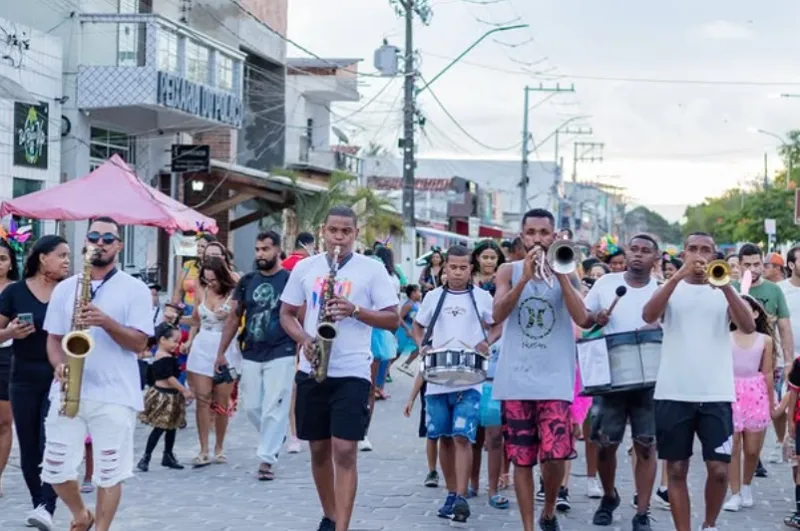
(107,238)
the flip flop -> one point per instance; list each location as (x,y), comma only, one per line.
(74,526)
(265,473)
(504,482)
(200,461)
(471,493)
(498,501)
(220,459)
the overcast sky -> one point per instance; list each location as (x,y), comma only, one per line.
(668,143)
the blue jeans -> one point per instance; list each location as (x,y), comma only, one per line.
(453,414)
(29,390)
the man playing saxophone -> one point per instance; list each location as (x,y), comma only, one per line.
(115,313)
(351,294)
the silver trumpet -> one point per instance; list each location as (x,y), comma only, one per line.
(563,257)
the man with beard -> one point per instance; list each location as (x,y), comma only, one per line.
(611,412)
(535,376)
(772,298)
(268,352)
(119,319)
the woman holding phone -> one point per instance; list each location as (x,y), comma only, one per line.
(23,306)
(9,272)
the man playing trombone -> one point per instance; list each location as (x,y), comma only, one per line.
(695,387)
(535,375)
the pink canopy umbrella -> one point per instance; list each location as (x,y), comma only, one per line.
(111,190)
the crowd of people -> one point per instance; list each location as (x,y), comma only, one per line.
(230,340)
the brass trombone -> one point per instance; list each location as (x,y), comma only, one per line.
(719,273)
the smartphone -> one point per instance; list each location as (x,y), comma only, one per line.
(26,318)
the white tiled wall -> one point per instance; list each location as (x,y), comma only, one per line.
(38,70)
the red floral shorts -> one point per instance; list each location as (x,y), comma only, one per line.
(537,431)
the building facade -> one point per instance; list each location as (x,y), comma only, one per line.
(30,114)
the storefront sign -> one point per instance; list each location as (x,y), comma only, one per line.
(190,158)
(31,127)
(178,93)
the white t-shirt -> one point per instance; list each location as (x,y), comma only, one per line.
(364,282)
(696,353)
(111,373)
(457,326)
(627,314)
(792,295)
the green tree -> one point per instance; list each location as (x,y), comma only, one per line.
(642,219)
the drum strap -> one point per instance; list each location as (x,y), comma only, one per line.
(478,313)
(426,340)
(429,331)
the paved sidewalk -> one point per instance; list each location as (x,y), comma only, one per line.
(391,496)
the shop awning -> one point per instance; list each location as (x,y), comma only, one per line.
(113,190)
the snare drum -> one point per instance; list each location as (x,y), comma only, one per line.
(627,361)
(454,367)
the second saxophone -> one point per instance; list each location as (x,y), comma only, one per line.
(326,326)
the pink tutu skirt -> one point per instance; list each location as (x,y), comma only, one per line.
(751,409)
(580,404)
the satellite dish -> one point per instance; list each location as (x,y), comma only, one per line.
(340,135)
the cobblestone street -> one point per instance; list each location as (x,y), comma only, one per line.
(391,495)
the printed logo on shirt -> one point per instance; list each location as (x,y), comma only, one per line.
(536,317)
(454,311)
(342,288)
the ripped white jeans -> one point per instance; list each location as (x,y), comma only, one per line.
(111,427)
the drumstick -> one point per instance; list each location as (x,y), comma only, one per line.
(471,348)
(619,293)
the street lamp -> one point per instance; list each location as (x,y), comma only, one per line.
(783,143)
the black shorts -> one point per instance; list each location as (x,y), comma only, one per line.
(423,425)
(5,372)
(678,422)
(337,407)
(611,413)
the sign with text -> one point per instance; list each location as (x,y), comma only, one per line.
(190,158)
(205,102)
(31,127)
(769,226)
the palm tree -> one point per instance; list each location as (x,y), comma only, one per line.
(377,218)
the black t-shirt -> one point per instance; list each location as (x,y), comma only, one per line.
(14,300)
(264,337)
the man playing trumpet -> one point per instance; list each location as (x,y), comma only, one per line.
(695,388)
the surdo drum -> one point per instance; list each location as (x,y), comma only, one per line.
(454,367)
(632,359)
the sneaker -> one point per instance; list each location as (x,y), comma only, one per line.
(446,510)
(593,488)
(405,368)
(540,492)
(635,501)
(327,524)
(641,522)
(733,504)
(548,525)
(40,519)
(460,510)
(294,446)
(562,502)
(365,445)
(662,497)
(605,513)
(747,496)
(777,453)
(761,472)
(793,520)
(432,479)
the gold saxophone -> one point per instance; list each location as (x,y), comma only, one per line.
(326,327)
(78,343)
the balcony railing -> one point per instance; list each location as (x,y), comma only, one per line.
(146,59)
(330,160)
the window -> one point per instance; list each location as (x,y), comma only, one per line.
(196,62)
(105,143)
(22,187)
(225,72)
(167,51)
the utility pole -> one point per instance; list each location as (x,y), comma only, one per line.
(523,200)
(766,173)
(560,167)
(584,156)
